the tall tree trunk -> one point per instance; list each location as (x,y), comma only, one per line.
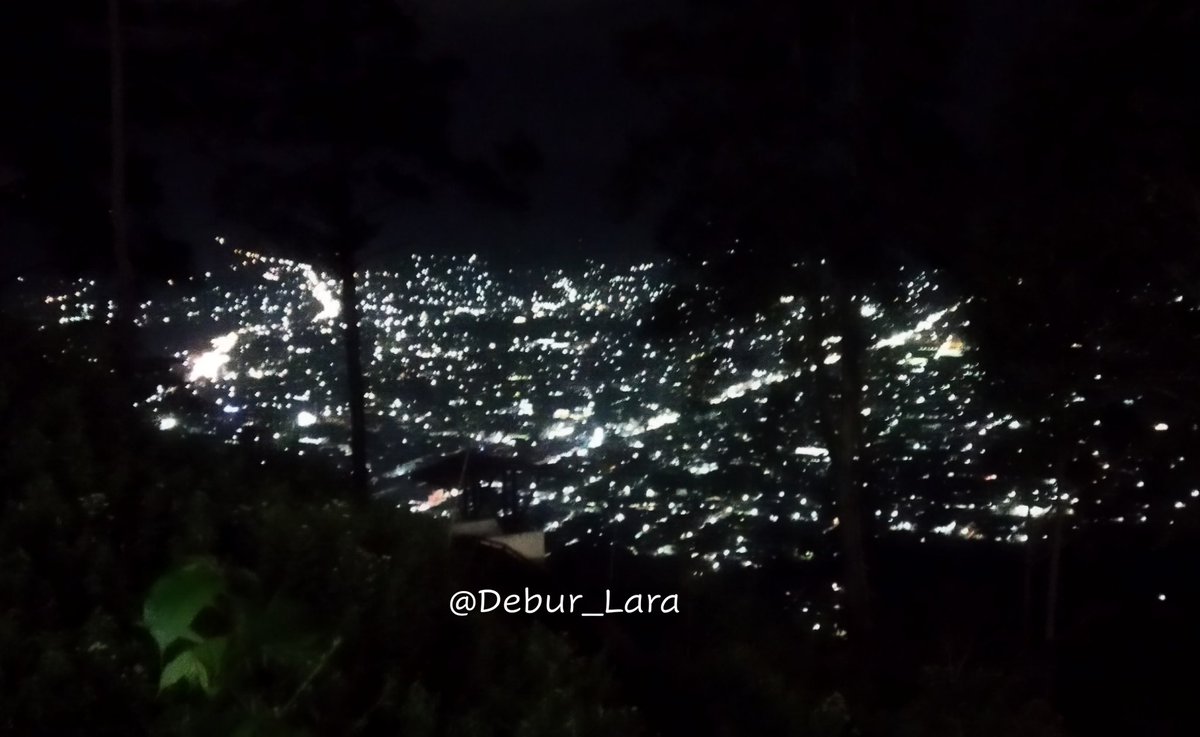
(355,383)
(1057,534)
(841,419)
(847,322)
(1052,583)
(126,301)
(851,514)
(1027,586)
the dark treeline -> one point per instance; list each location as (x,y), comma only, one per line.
(813,149)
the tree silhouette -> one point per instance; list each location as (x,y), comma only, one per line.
(56,153)
(322,116)
(1081,234)
(118,156)
(802,152)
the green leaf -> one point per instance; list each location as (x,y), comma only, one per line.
(211,654)
(177,597)
(186,668)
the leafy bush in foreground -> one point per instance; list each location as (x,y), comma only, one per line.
(308,614)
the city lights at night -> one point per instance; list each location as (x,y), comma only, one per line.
(599,368)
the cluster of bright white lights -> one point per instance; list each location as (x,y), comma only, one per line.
(694,445)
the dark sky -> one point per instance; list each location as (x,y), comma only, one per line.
(550,69)
(547,68)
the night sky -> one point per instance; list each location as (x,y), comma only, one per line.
(549,70)
(546,69)
(552,69)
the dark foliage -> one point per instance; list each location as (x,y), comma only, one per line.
(96,507)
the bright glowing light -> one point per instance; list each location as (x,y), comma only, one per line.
(951,347)
(902,337)
(209,364)
(597,438)
(559,430)
(812,451)
(1025,510)
(1161,427)
(330,307)
(946,529)
(759,380)
(306,419)
(167,423)
(664,418)
(435,499)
